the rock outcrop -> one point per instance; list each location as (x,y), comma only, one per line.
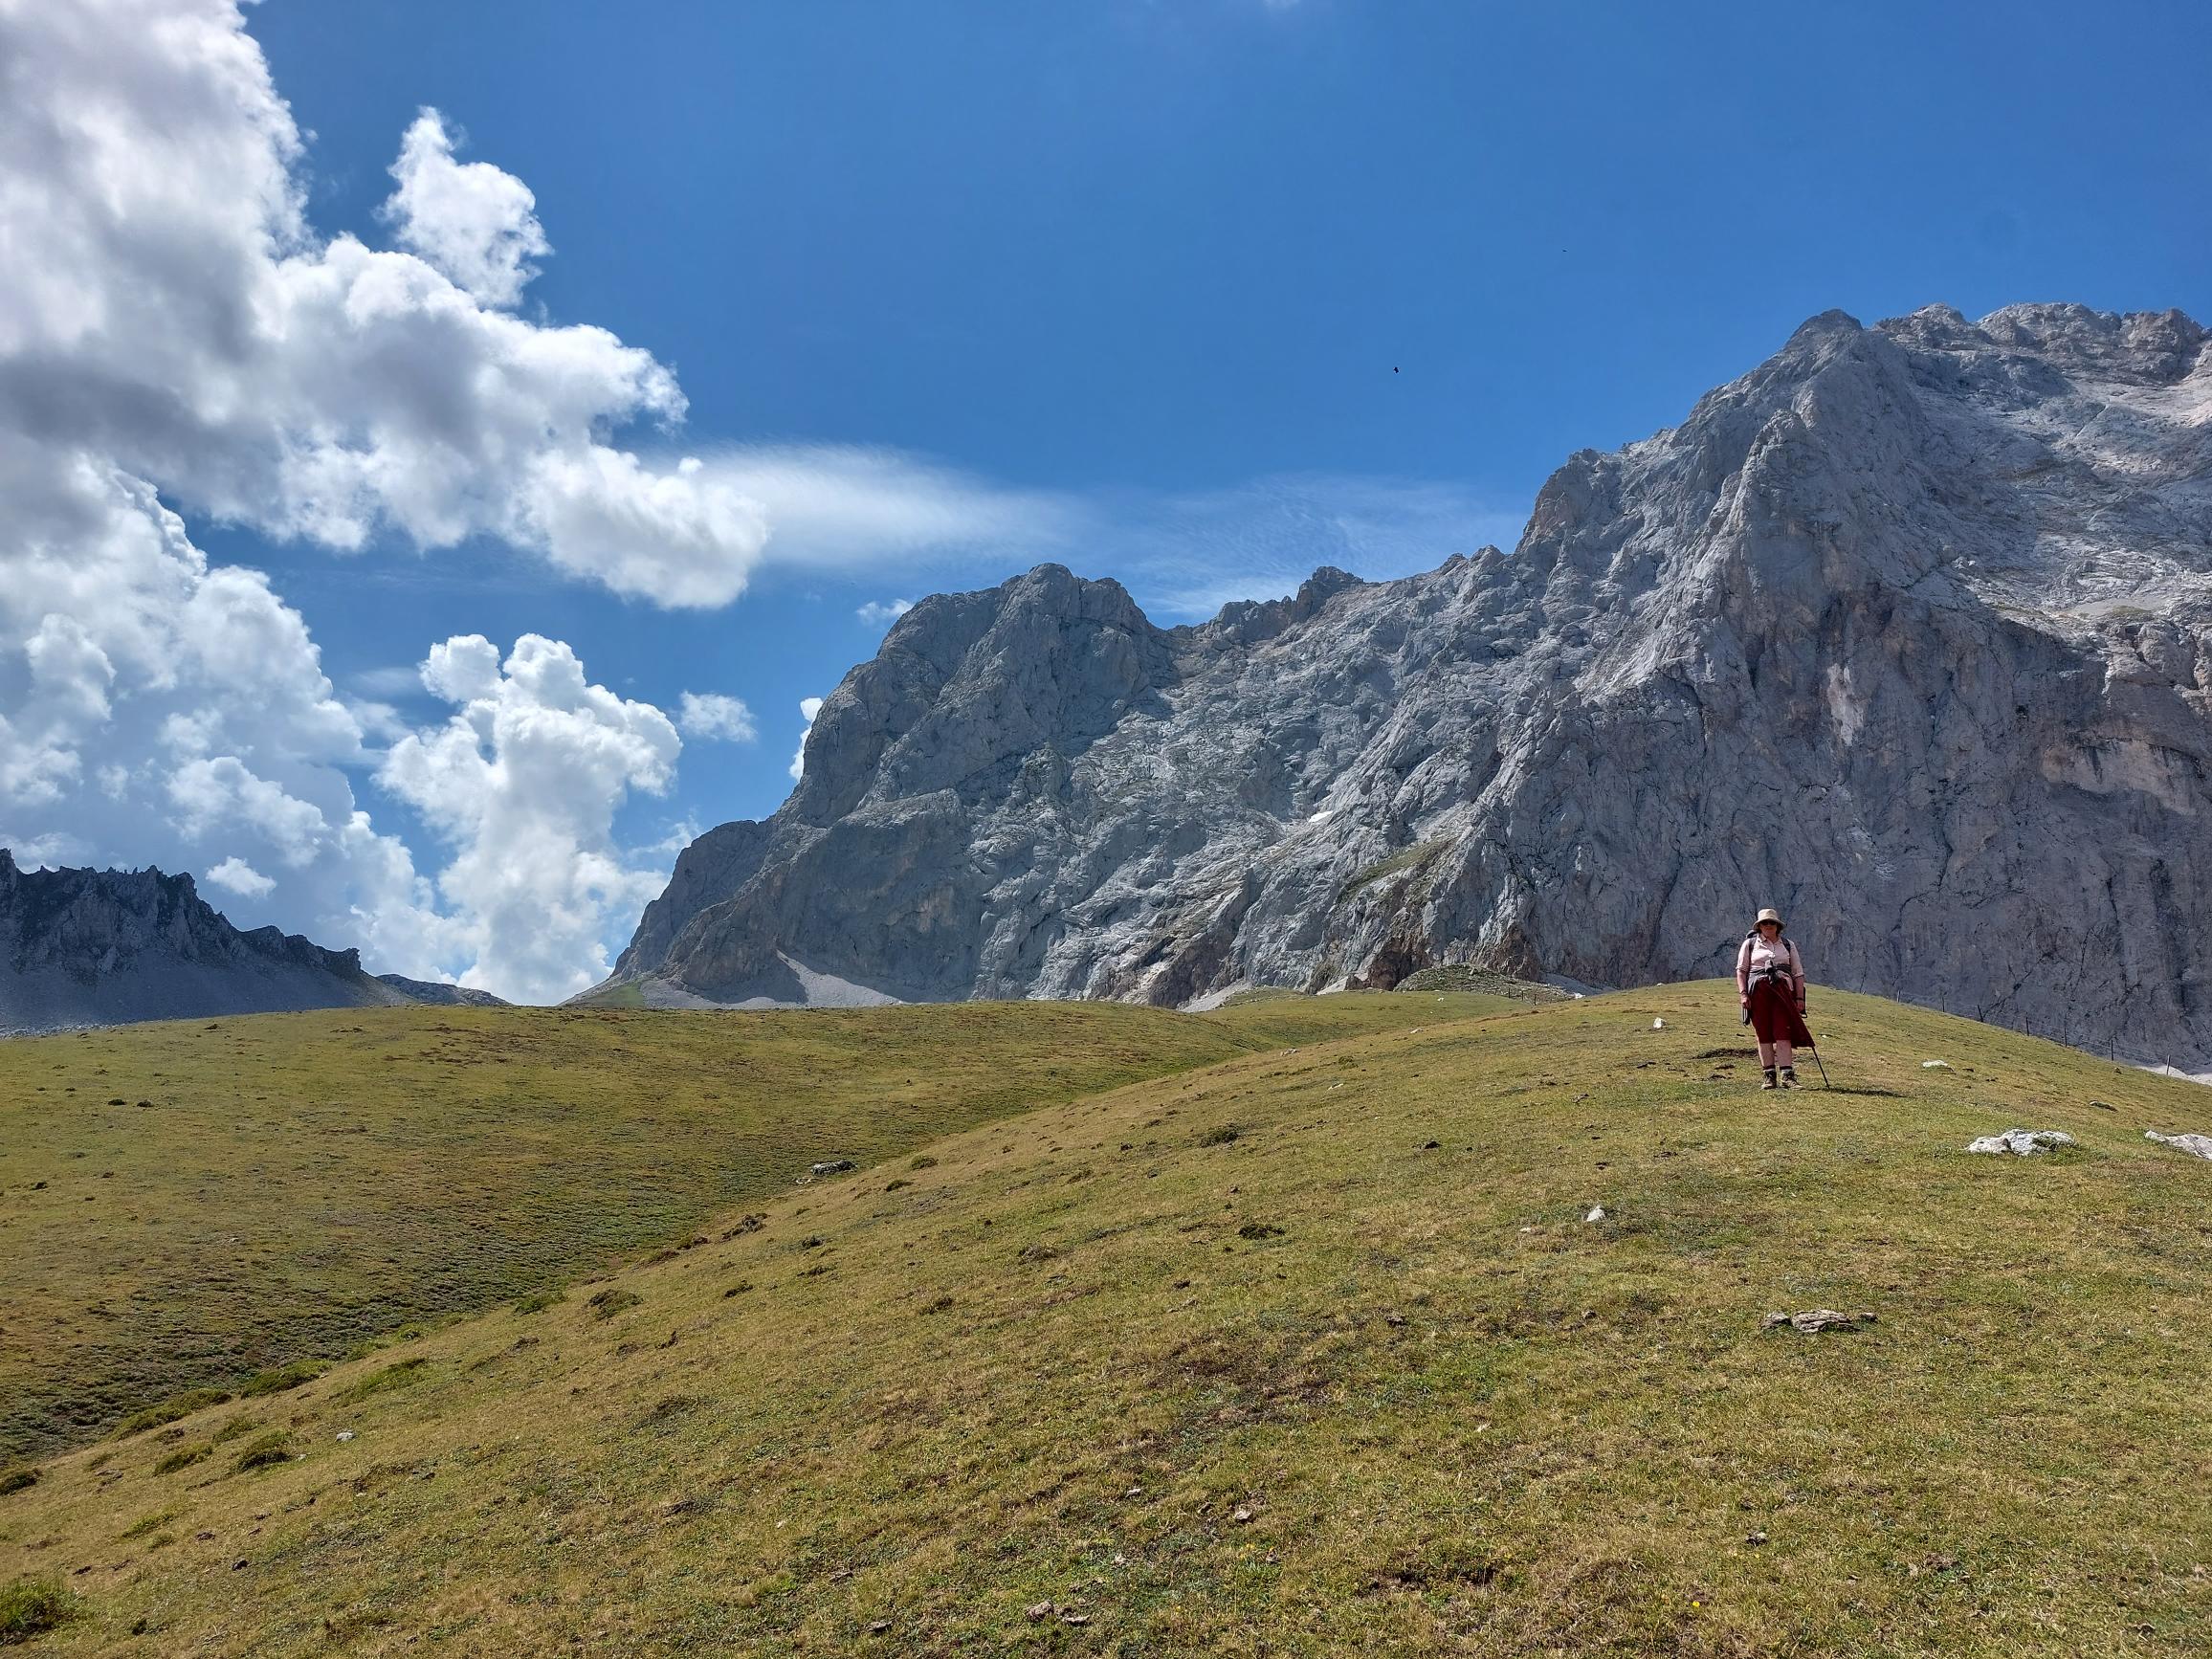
(95,948)
(442,993)
(1908,631)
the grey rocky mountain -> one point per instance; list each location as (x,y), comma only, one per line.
(1908,631)
(94,948)
(444,995)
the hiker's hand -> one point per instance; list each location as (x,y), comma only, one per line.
(1744,1001)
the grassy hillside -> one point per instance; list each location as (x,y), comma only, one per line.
(187,1204)
(1309,1352)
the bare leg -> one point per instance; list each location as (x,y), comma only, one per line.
(1784,1054)
(1765,1056)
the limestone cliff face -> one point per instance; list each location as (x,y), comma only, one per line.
(81,947)
(1908,631)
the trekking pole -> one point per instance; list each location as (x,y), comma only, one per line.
(1816,1055)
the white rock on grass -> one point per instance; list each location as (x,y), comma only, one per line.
(1935,1065)
(2020,1143)
(2195,1145)
(1815,1319)
(1658,1024)
(1596,1213)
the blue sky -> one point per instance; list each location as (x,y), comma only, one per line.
(1177,249)
(1197,293)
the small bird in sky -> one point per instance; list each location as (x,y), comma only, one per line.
(1394,369)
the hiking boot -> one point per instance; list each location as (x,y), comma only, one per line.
(1769,1083)
(1789,1077)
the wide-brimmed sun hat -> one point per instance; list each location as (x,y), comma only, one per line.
(1769,914)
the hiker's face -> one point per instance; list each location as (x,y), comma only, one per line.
(1769,929)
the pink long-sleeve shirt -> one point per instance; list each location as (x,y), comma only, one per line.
(1759,953)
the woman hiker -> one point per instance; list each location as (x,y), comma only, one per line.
(1770,985)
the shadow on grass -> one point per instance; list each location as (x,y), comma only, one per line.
(1863,1089)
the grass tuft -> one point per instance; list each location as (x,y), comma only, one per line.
(33,1606)
(265,1452)
(393,1376)
(611,1301)
(279,1378)
(169,1410)
(140,1528)
(184,1457)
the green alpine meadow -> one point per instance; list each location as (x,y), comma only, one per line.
(1420,1334)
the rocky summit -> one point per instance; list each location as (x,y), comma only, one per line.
(1908,631)
(93,947)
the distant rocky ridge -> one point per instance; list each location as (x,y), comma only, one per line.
(1909,631)
(94,948)
(444,995)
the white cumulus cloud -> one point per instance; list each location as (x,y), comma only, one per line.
(171,313)
(236,876)
(710,715)
(475,223)
(522,783)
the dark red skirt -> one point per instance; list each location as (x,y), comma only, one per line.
(1774,1015)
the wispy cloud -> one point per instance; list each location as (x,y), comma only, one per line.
(883,613)
(1186,555)
(850,506)
(397,680)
